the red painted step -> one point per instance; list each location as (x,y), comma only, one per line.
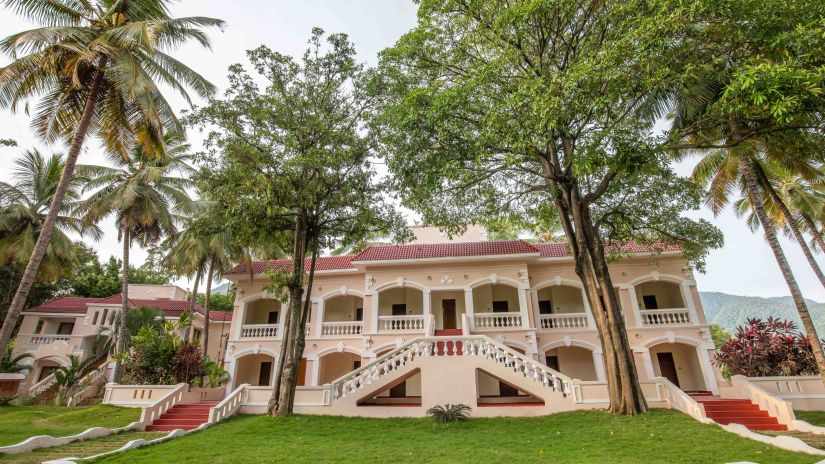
(737,411)
(183,416)
(447,332)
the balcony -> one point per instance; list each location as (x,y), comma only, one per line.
(341,328)
(491,321)
(259,330)
(401,323)
(563,321)
(656,317)
(44,339)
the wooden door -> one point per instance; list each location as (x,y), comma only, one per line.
(667,367)
(545,307)
(448,315)
(265,374)
(399,309)
(302,372)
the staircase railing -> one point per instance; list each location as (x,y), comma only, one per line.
(91,384)
(776,407)
(41,386)
(230,405)
(473,345)
(165,403)
(679,400)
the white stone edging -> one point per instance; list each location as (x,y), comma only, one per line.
(782,441)
(802,426)
(48,441)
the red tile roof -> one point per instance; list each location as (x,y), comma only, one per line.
(323,263)
(64,304)
(444,250)
(170,308)
(560,250)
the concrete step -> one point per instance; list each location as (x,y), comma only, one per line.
(169,428)
(182,422)
(183,415)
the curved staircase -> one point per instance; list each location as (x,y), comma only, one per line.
(737,411)
(183,416)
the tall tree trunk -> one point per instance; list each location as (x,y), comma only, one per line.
(815,233)
(124,304)
(786,213)
(45,236)
(746,165)
(184,331)
(287,365)
(209,275)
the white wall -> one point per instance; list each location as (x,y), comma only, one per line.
(668,295)
(414,299)
(565,299)
(484,296)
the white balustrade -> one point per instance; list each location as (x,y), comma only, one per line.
(677,316)
(229,405)
(563,321)
(335,329)
(42,385)
(45,339)
(497,320)
(167,402)
(400,323)
(472,345)
(259,330)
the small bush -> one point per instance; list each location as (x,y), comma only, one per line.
(6,400)
(767,348)
(449,413)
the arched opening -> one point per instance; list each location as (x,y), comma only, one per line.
(335,365)
(255,369)
(401,309)
(496,306)
(679,363)
(261,318)
(448,308)
(661,303)
(561,307)
(43,367)
(575,362)
(343,315)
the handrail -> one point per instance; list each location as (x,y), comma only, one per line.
(93,386)
(777,407)
(42,385)
(471,345)
(229,405)
(681,401)
(165,403)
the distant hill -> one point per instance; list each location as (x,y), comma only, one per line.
(730,311)
(222,289)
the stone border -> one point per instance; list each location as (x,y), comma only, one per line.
(782,441)
(48,441)
(802,426)
(134,444)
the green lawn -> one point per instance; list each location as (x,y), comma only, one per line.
(20,422)
(587,436)
(79,448)
(812,417)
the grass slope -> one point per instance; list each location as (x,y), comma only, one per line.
(660,436)
(79,449)
(20,422)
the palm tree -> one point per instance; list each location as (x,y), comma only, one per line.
(97,64)
(106,339)
(143,193)
(67,377)
(14,364)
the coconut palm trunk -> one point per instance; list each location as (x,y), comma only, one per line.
(184,332)
(815,233)
(124,304)
(747,166)
(26,282)
(206,299)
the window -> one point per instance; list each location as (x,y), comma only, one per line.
(501,307)
(196,335)
(650,302)
(65,328)
(39,326)
(94,319)
(103,320)
(272,317)
(359,314)
(545,307)
(356,365)
(399,309)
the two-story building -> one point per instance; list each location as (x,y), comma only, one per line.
(525,296)
(69,325)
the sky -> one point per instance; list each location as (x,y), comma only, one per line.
(743,266)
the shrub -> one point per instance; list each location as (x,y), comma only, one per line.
(6,400)
(767,348)
(449,413)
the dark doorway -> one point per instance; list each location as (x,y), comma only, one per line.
(65,328)
(501,307)
(359,314)
(506,390)
(545,307)
(553,363)
(399,391)
(650,302)
(448,307)
(272,317)
(302,372)
(45,372)
(667,367)
(399,309)
(265,374)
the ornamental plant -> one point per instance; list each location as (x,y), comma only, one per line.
(443,414)
(771,347)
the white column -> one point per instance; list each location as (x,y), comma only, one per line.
(281,321)
(316,367)
(374,311)
(591,324)
(469,309)
(687,298)
(647,361)
(230,367)
(425,309)
(239,318)
(318,323)
(522,303)
(634,303)
(707,368)
(598,363)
